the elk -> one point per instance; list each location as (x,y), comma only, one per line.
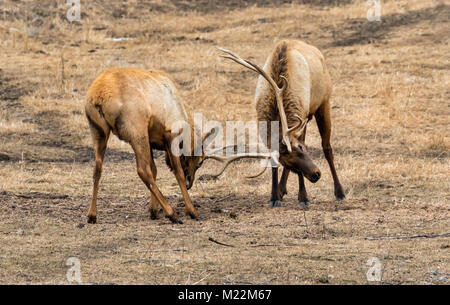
(294,85)
(142,108)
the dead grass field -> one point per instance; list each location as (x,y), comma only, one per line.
(390,136)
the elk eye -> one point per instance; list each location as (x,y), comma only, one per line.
(300,148)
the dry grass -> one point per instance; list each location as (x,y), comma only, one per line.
(390,136)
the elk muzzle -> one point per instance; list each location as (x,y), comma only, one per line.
(300,163)
(315,177)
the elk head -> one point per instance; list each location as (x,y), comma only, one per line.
(298,160)
(191,162)
(190,165)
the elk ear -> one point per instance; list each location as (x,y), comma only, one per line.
(208,137)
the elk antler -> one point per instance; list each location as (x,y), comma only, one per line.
(301,123)
(278,91)
(231,159)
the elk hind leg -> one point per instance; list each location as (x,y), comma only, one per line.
(323,120)
(100,138)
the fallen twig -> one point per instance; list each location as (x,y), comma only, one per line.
(238,282)
(219,243)
(267,282)
(254,246)
(200,280)
(408,236)
(140,261)
(37,195)
(165,250)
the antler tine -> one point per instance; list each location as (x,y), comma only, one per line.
(293,127)
(278,91)
(303,126)
(300,123)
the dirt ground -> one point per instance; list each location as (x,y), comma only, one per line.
(390,138)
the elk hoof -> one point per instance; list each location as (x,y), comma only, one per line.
(282,193)
(340,196)
(92,219)
(304,203)
(174,219)
(275,203)
(154,214)
(192,214)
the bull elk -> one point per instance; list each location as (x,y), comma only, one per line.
(294,85)
(140,107)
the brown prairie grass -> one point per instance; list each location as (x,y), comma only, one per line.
(390,137)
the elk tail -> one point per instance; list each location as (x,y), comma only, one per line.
(96,117)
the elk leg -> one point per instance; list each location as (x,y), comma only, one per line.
(100,142)
(302,195)
(141,149)
(285,176)
(181,179)
(323,120)
(275,198)
(154,210)
(283,181)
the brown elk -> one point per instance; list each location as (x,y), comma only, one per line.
(142,108)
(294,85)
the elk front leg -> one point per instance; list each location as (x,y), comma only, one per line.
(324,124)
(302,195)
(179,175)
(154,210)
(283,181)
(275,197)
(141,148)
(100,142)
